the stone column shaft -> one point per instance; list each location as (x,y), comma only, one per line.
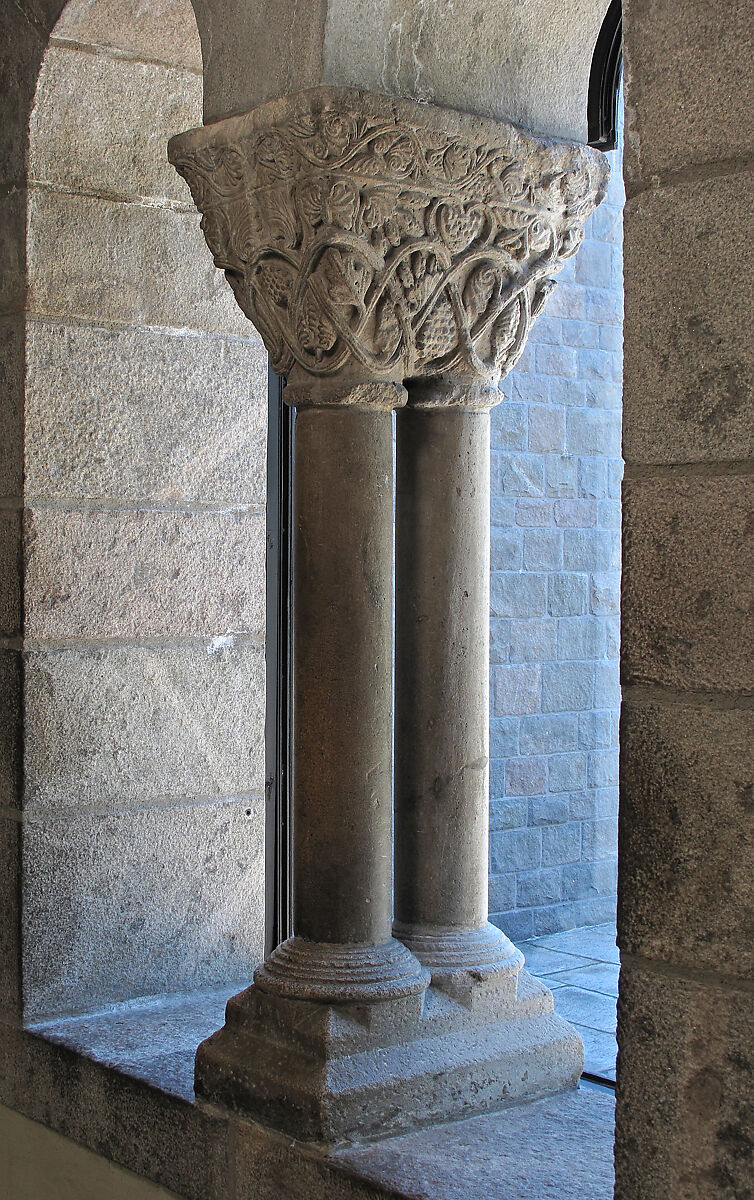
(442,679)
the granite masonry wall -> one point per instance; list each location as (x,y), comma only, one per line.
(140,639)
(554,625)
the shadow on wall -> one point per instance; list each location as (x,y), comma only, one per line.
(145,402)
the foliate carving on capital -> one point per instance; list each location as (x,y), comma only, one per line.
(385,239)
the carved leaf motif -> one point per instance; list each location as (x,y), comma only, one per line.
(343,204)
(310,201)
(478,291)
(504,331)
(315,331)
(456,161)
(458,229)
(387,333)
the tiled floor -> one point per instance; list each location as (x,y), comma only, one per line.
(581,966)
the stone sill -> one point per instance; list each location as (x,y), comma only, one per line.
(120,1084)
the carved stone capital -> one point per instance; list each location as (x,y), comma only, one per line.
(376,239)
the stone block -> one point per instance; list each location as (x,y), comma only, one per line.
(615,478)
(606,802)
(503,736)
(517,923)
(533,640)
(518,474)
(165,30)
(575,514)
(508,426)
(567,393)
(582,806)
(566,595)
(81,146)
(568,300)
(595,730)
(590,550)
(548,733)
(138,904)
(581,637)
(543,550)
(11,728)
(611,338)
(510,813)
(12,370)
(580,333)
(534,888)
(609,514)
(547,329)
(10,572)
(560,475)
(612,637)
(687,835)
(604,306)
(556,360)
(592,478)
(144,574)
(506,549)
(566,772)
(688,73)
(136,266)
(684,1088)
(502,892)
(99,424)
(582,880)
(536,514)
(546,429)
(515,850)
(687,583)
(497,777)
(523,594)
(567,687)
(593,431)
(608,396)
(561,844)
(526,388)
(525,776)
(516,690)
(689,361)
(607,690)
(118,727)
(548,810)
(599,838)
(604,592)
(499,640)
(593,264)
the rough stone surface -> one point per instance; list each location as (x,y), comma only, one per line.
(11,706)
(690,541)
(684,1089)
(128,283)
(108,900)
(10,926)
(10,572)
(165,30)
(11,405)
(133,574)
(690,377)
(686,84)
(687,831)
(483,62)
(144,416)
(78,150)
(114,728)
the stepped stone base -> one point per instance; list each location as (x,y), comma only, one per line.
(340,1073)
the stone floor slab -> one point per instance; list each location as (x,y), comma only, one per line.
(595,977)
(591,941)
(541,961)
(592,1009)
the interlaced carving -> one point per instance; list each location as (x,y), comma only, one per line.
(362,242)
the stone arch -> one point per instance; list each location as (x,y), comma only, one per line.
(138,438)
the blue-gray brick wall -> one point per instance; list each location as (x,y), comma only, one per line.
(554,632)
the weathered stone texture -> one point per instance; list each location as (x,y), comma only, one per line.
(130,905)
(690,377)
(12,253)
(22,44)
(120,271)
(11,405)
(10,572)
(114,728)
(686,94)
(77,149)
(144,416)
(10,926)
(165,30)
(687,833)
(126,574)
(691,542)
(11,701)
(685,1113)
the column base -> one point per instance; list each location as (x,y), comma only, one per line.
(340,1073)
(322,971)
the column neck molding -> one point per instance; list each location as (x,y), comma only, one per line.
(371,238)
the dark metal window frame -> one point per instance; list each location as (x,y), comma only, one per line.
(278,826)
(604,81)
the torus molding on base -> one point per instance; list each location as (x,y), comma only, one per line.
(384,239)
